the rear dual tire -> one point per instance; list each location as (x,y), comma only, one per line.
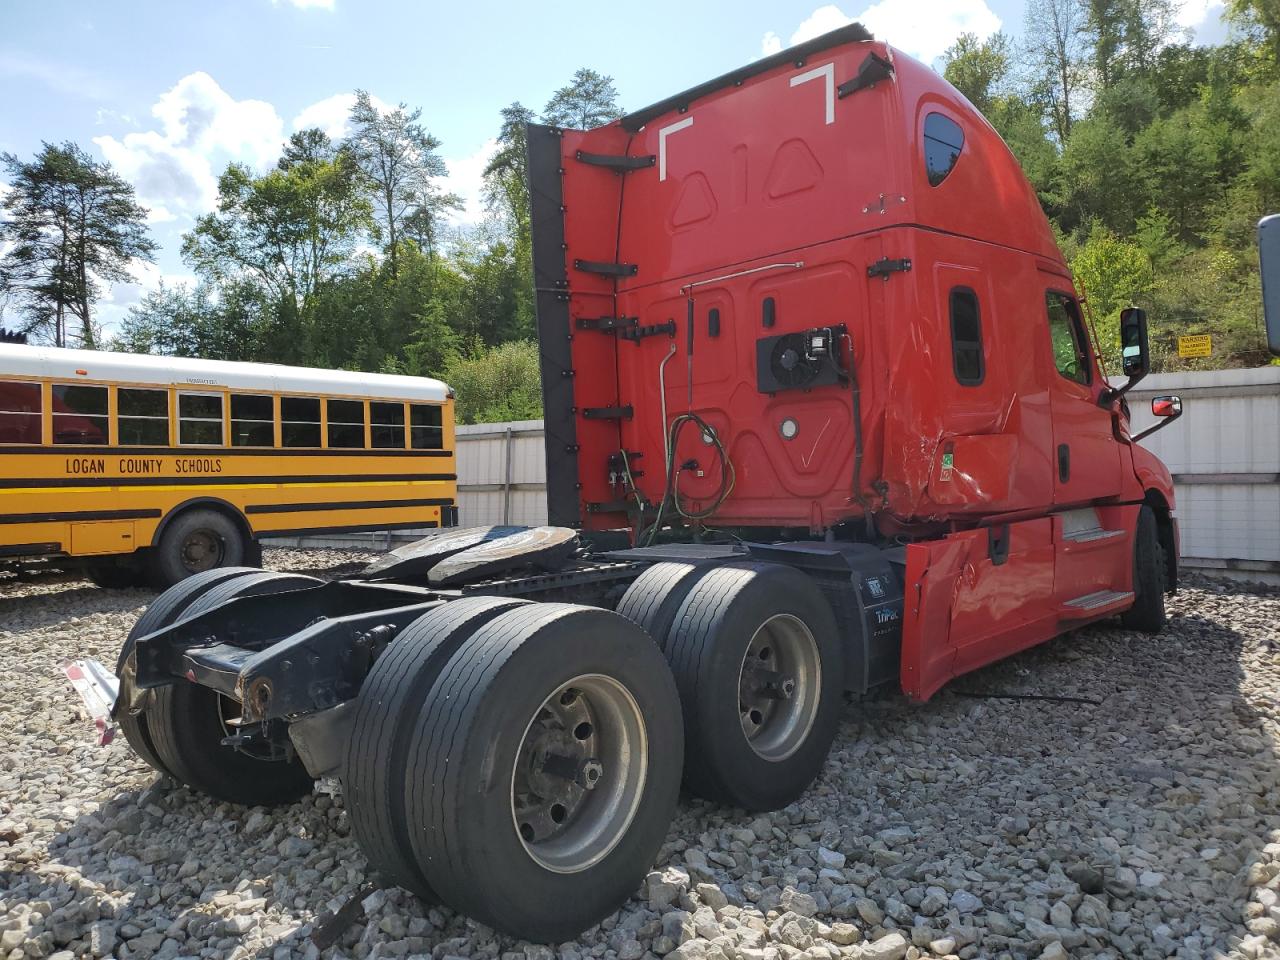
(180,727)
(538,774)
(759,664)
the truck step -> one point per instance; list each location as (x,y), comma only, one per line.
(1092,536)
(1096,602)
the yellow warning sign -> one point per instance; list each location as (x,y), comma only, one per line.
(1199,345)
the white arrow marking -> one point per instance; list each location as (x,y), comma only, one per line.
(826,72)
(662,142)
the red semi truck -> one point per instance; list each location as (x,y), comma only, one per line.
(823,414)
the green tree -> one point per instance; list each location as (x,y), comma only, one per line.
(589,100)
(398,161)
(1113,274)
(288,230)
(978,68)
(1055,58)
(71,224)
(229,323)
(497,384)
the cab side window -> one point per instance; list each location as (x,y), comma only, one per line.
(1067,336)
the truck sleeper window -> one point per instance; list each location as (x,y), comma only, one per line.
(1066,333)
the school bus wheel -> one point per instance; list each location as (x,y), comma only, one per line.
(194,541)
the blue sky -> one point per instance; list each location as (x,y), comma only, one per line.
(170,91)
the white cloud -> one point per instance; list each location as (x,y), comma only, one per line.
(466,179)
(332,114)
(922,28)
(202,127)
(306,4)
(1196,14)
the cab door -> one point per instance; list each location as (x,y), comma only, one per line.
(1086,455)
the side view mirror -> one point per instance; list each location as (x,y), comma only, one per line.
(1269,258)
(1168,409)
(1135,355)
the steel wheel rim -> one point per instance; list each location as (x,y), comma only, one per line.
(202,550)
(579,773)
(779,686)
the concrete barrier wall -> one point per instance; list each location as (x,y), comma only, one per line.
(1224,454)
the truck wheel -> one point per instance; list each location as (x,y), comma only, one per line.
(386,712)
(188,722)
(195,541)
(1149,577)
(759,664)
(163,611)
(544,769)
(654,598)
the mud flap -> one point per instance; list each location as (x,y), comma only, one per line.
(932,583)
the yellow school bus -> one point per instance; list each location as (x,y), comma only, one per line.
(154,468)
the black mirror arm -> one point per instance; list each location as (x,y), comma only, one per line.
(1159,425)
(1110,395)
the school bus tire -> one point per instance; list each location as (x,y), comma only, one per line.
(166,609)
(116,573)
(195,540)
(385,715)
(188,722)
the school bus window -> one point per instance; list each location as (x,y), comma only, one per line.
(200,419)
(253,420)
(79,413)
(426,430)
(143,417)
(346,423)
(300,421)
(386,422)
(19,412)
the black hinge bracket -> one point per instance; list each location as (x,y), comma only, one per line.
(607,323)
(615,162)
(608,269)
(871,71)
(607,506)
(884,266)
(637,334)
(609,413)
(998,544)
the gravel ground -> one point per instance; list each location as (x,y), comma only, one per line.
(1146,826)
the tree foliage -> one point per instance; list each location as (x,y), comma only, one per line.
(71,225)
(397,158)
(500,383)
(288,230)
(588,101)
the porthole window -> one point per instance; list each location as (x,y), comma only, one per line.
(943,141)
(966,337)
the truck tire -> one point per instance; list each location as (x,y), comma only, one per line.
(163,611)
(188,722)
(544,769)
(654,598)
(756,737)
(385,714)
(1149,577)
(194,541)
